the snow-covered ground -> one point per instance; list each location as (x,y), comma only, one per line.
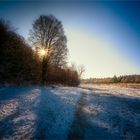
(37,112)
(116,89)
(86,112)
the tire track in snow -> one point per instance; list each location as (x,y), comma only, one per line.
(79,123)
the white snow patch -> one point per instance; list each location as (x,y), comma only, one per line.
(32,96)
(28,117)
(8,108)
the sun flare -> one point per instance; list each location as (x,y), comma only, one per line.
(42,52)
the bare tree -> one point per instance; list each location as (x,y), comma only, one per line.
(81,70)
(48,34)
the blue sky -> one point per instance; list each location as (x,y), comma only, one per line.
(104,36)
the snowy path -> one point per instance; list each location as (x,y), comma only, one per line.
(69,113)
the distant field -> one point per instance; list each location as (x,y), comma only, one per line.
(130,85)
(130,89)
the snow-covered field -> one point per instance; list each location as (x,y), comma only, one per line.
(84,112)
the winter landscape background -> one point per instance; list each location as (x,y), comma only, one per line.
(69,70)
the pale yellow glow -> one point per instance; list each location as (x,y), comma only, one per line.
(42,52)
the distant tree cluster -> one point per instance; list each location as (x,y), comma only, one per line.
(20,63)
(129,79)
(115,79)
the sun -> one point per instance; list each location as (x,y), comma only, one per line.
(42,52)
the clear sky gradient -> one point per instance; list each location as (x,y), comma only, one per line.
(104,36)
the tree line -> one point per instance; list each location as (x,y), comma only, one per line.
(44,61)
(115,79)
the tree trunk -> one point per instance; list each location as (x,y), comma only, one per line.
(44,71)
